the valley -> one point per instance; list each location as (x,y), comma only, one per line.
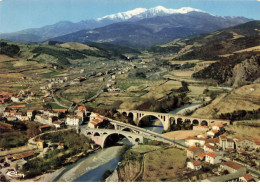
(144,95)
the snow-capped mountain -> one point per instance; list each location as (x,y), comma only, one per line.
(179,16)
(142,13)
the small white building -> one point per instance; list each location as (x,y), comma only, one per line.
(194,141)
(212,133)
(74,120)
(194,165)
(213,158)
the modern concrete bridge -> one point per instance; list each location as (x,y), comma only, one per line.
(168,119)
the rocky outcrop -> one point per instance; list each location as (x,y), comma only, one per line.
(245,72)
(129,171)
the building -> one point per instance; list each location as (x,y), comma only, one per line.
(201,156)
(193,151)
(213,158)
(194,141)
(74,121)
(245,143)
(11,118)
(226,143)
(213,133)
(40,144)
(59,124)
(230,166)
(247,178)
(218,126)
(30,114)
(44,128)
(209,148)
(194,165)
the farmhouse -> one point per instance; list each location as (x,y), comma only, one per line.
(74,120)
(212,158)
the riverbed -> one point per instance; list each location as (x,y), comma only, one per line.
(92,168)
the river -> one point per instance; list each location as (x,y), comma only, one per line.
(93,167)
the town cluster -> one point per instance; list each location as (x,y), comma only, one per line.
(228,158)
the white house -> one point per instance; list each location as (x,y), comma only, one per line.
(212,133)
(230,166)
(226,143)
(212,158)
(74,120)
(194,165)
(194,141)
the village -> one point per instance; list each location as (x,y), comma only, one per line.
(211,155)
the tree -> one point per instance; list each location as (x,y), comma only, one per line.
(32,130)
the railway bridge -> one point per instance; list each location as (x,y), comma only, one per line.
(168,119)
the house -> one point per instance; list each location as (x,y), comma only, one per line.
(218,127)
(16,99)
(11,118)
(209,148)
(40,144)
(194,165)
(194,141)
(24,118)
(213,133)
(226,143)
(212,158)
(193,151)
(59,124)
(201,156)
(95,123)
(54,113)
(44,128)
(245,143)
(18,115)
(230,166)
(74,120)
(30,114)
(247,178)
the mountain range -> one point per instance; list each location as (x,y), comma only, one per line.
(136,28)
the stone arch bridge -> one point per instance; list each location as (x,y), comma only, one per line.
(168,119)
(100,136)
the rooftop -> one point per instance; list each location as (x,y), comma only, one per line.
(248,177)
(193,148)
(232,164)
(212,154)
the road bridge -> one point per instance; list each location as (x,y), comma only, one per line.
(168,119)
(101,136)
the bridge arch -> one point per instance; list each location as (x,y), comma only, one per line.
(150,115)
(115,137)
(204,123)
(195,122)
(96,134)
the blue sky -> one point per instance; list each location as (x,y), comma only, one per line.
(21,14)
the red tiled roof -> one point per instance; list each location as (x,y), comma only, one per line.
(223,137)
(196,163)
(214,131)
(82,108)
(19,106)
(30,110)
(76,117)
(212,154)
(209,146)
(192,148)
(257,141)
(44,126)
(248,177)
(60,110)
(212,140)
(201,154)
(231,164)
